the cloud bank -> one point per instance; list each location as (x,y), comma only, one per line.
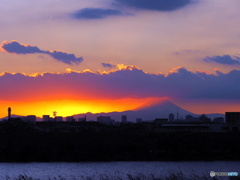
(225,59)
(157,5)
(128,82)
(96,13)
(15,47)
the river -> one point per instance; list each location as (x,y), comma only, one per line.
(95,170)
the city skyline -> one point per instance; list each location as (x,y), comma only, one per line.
(116,55)
(164,110)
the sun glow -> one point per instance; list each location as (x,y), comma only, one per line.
(70,107)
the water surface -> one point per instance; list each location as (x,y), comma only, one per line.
(113,169)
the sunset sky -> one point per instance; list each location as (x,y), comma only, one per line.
(113,55)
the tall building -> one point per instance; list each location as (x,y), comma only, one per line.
(9,112)
(124,118)
(171,117)
(232,117)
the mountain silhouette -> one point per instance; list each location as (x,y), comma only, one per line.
(147,113)
(159,110)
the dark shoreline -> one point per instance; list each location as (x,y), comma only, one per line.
(118,146)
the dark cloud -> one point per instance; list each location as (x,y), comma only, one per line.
(225,59)
(157,5)
(96,13)
(15,47)
(108,65)
(125,83)
(64,57)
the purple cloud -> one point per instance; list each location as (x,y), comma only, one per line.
(225,59)
(96,13)
(108,65)
(15,47)
(125,83)
(157,5)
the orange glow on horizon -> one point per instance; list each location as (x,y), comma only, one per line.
(70,107)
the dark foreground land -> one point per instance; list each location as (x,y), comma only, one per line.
(76,142)
(117,145)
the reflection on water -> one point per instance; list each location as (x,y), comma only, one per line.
(120,169)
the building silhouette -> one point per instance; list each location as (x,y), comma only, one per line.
(171,117)
(232,121)
(45,118)
(58,118)
(84,119)
(204,118)
(70,119)
(30,118)
(218,120)
(138,120)
(232,117)
(124,118)
(160,121)
(105,120)
(9,113)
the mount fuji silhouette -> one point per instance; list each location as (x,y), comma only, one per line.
(147,113)
(160,110)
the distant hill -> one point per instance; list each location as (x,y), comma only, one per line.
(18,116)
(13,116)
(160,110)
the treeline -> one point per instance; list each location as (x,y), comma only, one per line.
(117,145)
